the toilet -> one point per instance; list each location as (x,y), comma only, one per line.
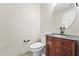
(37,48)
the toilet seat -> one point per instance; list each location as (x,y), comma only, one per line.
(36,45)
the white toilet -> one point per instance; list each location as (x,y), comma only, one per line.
(37,47)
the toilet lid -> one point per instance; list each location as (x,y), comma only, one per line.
(36,45)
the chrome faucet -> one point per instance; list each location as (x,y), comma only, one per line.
(62,30)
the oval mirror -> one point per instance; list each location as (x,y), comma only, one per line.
(64,15)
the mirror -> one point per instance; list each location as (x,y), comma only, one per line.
(68,18)
(64,15)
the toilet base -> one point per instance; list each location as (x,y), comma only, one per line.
(38,53)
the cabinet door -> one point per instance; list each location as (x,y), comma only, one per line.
(53,47)
(69,47)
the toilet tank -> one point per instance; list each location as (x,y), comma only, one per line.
(43,38)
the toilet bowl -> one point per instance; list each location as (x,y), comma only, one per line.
(37,47)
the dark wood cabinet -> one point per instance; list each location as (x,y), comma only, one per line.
(60,46)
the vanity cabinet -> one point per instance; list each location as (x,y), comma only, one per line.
(60,46)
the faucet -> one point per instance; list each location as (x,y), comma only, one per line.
(62,30)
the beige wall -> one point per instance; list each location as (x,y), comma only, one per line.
(46,18)
(18,22)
